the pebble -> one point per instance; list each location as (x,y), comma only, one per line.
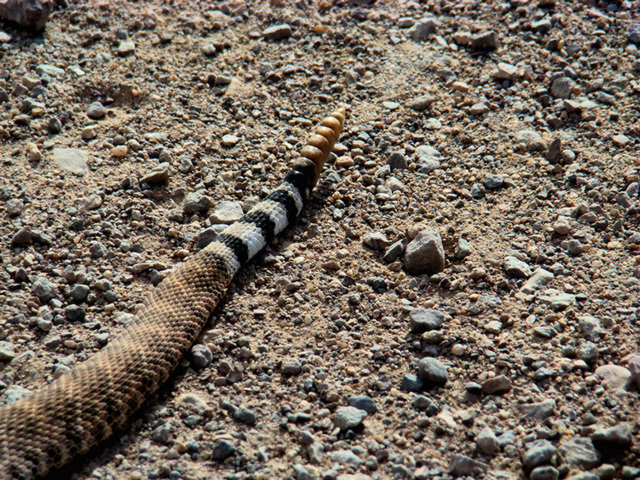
(197,202)
(13,393)
(494,327)
(422,28)
(126,47)
(461,465)
(633,365)
(428,158)
(493,181)
(477,191)
(348,418)
(159,174)
(479,108)
(97,250)
(394,251)
(14,207)
(208,235)
(201,355)
(619,434)
(33,153)
(193,402)
(390,105)
(397,161)
(530,140)
(539,279)
(562,225)
(229,140)
(432,371)
(96,111)
(222,449)
(424,319)
(562,87)
(44,289)
(421,103)
(463,249)
(557,300)
(411,383)
(425,253)
(119,151)
(376,241)
(363,402)
(538,410)
(574,248)
(161,433)
(620,140)
(485,41)
(244,415)
(487,441)
(516,268)
(499,384)
(538,453)
(89,132)
(579,452)
(292,368)
(44,69)
(546,472)
(277,32)
(72,160)
(505,71)
(613,377)
(92,202)
(226,212)
(7,353)
(346,457)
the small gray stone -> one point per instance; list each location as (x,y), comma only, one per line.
(363,402)
(462,249)
(411,383)
(292,368)
(346,457)
(347,418)
(493,181)
(477,191)
(159,174)
(422,28)
(50,70)
(397,161)
(428,159)
(424,319)
(487,441)
(538,453)
(574,248)
(44,289)
(530,141)
(425,253)
(499,384)
(244,415)
(197,202)
(539,410)
(579,452)
(14,207)
(222,449)
(394,251)
(96,111)
(72,160)
(539,279)
(461,465)
(485,41)
(619,434)
(97,250)
(516,268)
(376,240)
(79,292)
(542,25)
(201,355)
(613,377)
(277,32)
(226,212)
(432,371)
(558,300)
(22,237)
(208,235)
(562,87)
(13,393)
(506,71)
(546,472)
(7,352)
(421,103)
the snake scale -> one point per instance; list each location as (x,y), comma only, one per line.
(45,430)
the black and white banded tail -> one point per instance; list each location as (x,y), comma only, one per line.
(239,242)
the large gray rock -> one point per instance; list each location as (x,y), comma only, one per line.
(580,453)
(432,371)
(425,253)
(349,417)
(424,319)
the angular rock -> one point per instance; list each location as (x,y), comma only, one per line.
(613,377)
(617,435)
(538,410)
(537,453)
(72,160)
(376,240)
(562,87)
(363,402)
(423,28)
(487,441)
(461,465)
(197,202)
(530,140)
(424,319)
(579,452)
(226,212)
(516,268)
(347,418)
(30,14)
(425,253)
(539,279)
(499,384)
(485,41)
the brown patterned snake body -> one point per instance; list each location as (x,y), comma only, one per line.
(66,418)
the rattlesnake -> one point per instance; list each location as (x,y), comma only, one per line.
(66,418)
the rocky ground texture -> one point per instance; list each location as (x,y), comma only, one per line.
(459,298)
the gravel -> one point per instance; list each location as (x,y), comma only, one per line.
(507,130)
